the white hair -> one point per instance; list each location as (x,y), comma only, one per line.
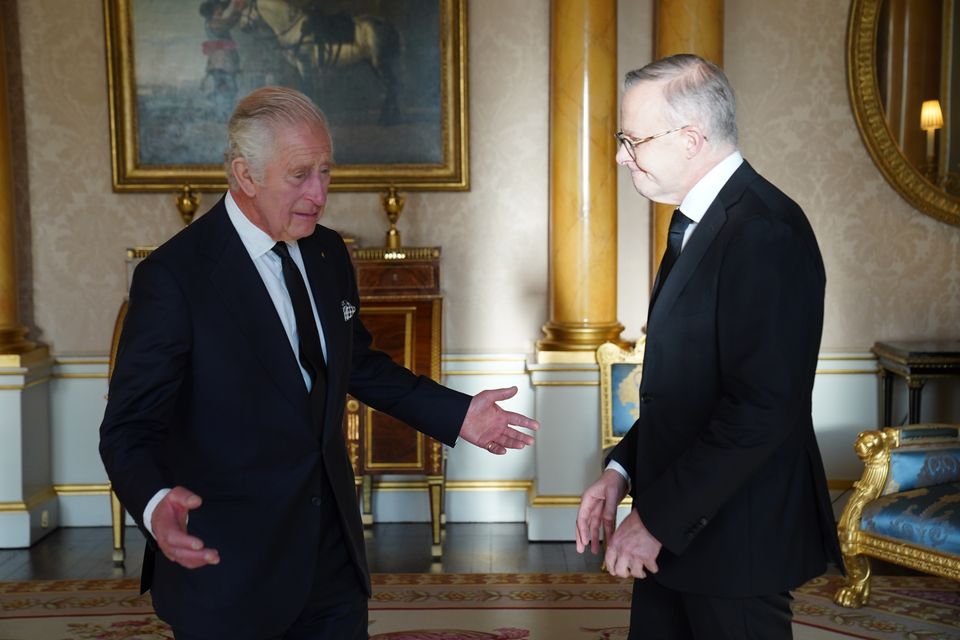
(252,127)
(697,91)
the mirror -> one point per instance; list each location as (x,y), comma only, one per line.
(902,54)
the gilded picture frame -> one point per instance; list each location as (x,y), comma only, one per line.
(620,372)
(177,67)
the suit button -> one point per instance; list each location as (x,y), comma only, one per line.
(316,501)
(645,398)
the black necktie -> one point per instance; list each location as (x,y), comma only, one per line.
(678,226)
(311,354)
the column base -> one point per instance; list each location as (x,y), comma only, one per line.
(29,507)
(576,342)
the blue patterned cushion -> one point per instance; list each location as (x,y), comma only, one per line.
(913,468)
(927,517)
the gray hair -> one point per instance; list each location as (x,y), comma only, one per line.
(252,127)
(696,90)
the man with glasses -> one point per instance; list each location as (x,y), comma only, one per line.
(730,503)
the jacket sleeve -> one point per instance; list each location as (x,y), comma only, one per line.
(151,362)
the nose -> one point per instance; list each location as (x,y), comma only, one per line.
(623,158)
(317,187)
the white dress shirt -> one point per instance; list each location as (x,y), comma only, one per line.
(259,245)
(694,206)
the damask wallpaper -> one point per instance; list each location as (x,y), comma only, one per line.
(893,273)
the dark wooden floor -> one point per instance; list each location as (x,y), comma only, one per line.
(85,553)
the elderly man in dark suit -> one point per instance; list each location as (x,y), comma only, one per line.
(730,503)
(222,433)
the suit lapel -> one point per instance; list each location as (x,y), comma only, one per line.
(249,305)
(323,285)
(687,262)
(663,297)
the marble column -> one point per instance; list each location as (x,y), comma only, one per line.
(683,26)
(583,191)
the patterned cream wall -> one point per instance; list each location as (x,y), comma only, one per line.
(493,237)
(893,273)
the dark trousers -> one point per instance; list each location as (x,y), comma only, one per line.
(658,613)
(337,604)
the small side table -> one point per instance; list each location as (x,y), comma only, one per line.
(916,362)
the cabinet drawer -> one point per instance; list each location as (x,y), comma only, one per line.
(385,278)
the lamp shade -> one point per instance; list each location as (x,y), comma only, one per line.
(931,117)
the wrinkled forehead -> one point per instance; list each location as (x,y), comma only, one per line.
(302,138)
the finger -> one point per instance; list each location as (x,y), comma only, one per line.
(495,448)
(610,559)
(193,559)
(586,530)
(651,565)
(183,497)
(520,420)
(515,440)
(637,572)
(622,568)
(174,539)
(581,544)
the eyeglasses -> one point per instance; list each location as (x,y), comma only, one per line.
(632,144)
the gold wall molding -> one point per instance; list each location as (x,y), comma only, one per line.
(27,385)
(566,383)
(37,498)
(67,490)
(455,485)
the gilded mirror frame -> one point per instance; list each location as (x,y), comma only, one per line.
(867,109)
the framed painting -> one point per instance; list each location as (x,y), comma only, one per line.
(391,78)
(620,373)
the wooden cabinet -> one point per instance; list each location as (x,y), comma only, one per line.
(401,306)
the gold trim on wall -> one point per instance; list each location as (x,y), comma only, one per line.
(82,489)
(456,485)
(38,497)
(864,93)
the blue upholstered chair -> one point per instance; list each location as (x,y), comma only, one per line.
(905,508)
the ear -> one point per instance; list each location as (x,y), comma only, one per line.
(241,172)
(693,140)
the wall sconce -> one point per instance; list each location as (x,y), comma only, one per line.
(931,119)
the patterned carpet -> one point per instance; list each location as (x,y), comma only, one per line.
(486,606)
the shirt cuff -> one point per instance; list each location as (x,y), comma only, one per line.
(616,466)
(151,507)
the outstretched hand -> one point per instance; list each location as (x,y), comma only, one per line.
(169,524)
(487,426)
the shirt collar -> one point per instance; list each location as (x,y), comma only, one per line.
(695,205)
(254,239)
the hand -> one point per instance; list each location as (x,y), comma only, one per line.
(632,549)
(487,426)
(169,523)
(599,503)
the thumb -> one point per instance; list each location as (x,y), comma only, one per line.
(184,498)
(501,394)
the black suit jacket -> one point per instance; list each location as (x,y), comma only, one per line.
(207,393)
(724,464)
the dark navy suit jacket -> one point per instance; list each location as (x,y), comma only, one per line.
(208,394)
(724,464)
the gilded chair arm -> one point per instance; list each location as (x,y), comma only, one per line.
(873,447)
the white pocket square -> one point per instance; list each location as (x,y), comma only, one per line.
(348,310)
